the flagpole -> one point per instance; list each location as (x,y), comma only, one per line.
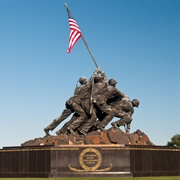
(85,43)
(89,50)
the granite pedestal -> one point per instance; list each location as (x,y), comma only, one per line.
(89,161)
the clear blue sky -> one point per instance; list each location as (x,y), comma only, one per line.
(137,42)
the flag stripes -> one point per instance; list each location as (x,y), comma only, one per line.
(75,34)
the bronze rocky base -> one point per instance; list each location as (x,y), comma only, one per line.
(110,136)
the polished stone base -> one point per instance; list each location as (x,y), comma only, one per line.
(89,161)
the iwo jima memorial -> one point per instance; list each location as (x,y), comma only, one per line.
(83,147)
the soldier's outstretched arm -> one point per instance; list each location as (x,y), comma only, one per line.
(122,95)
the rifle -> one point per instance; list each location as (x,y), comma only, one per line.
(76,88)
(91,96)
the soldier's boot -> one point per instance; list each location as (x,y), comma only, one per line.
(101,128)
(46,130)
(114,124)
(95,126)
(83,132)
(126,128)
(70,129)
(59,133)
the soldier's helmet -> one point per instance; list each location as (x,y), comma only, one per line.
(112,82)
(82,80)
(135,102)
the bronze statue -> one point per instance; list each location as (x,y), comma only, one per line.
(94,104)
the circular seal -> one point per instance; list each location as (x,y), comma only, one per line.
(90,159)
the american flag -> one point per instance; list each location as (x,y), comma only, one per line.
(75,32)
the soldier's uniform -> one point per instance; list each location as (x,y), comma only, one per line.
(100,83)
(73,104)
(84,95)
(124,110)
(79,104)
(109,93)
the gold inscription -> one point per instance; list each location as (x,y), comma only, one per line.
(90,159)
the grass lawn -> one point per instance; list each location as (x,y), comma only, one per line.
(135,178)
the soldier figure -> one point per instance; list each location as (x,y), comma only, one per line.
(110,93)
(84,94)
(72,105)
(124,110)
(100,83)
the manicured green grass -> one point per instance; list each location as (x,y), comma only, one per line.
(135,178)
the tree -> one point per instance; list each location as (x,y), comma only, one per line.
(175,141)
